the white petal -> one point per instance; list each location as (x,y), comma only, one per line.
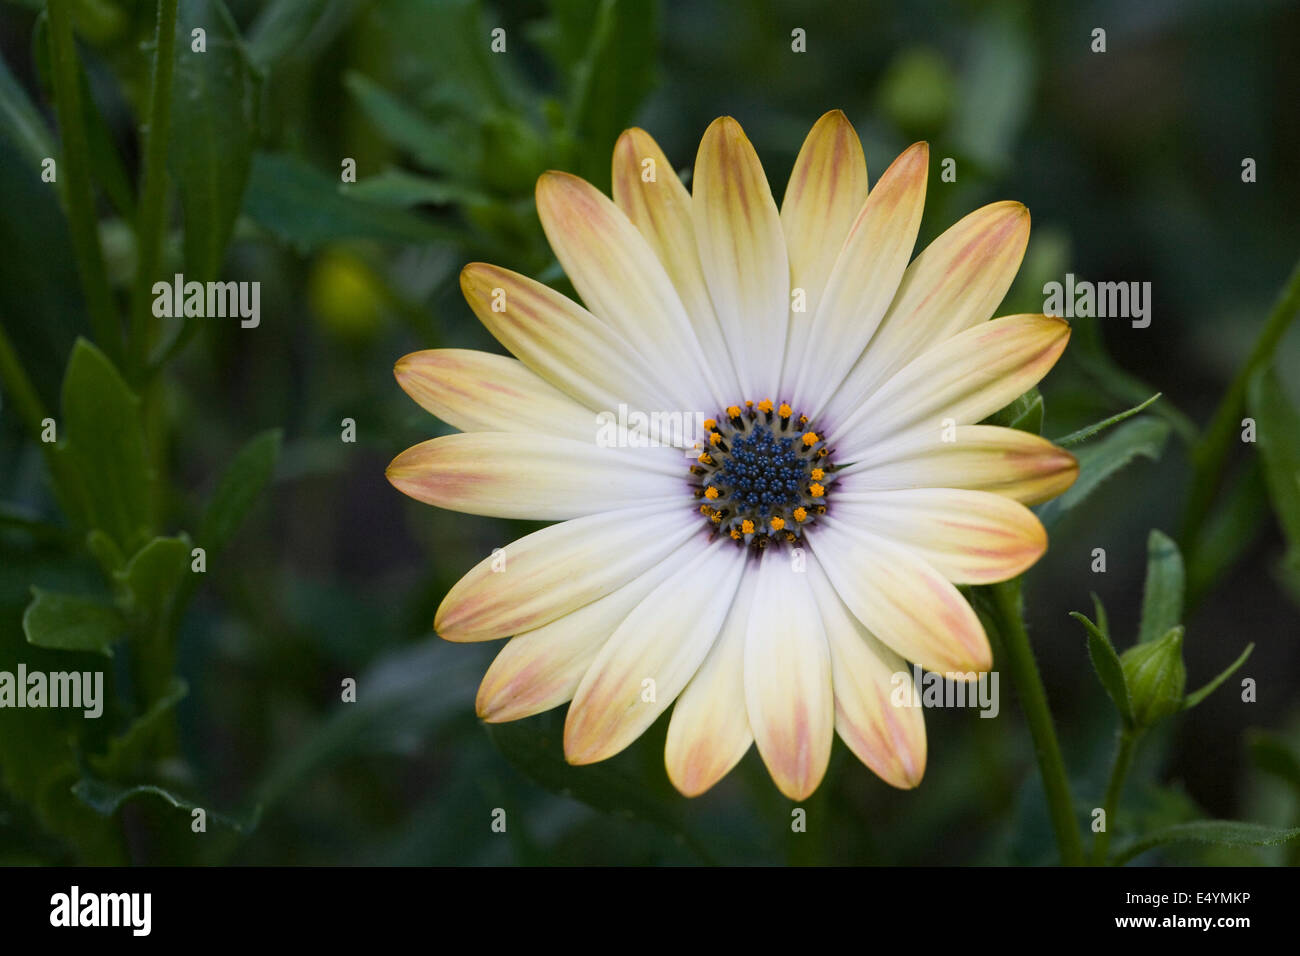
(901,599)
(953,285)
(967,378)
(970,537)
(827,188)
(542,668)
(863,282)
(623,282)
(788,692)
(536,477)
(558,569)
(1020,465)
(652,655)
(568,346)
(709,729)
(479,391)
(871,716)
(660,207)
(742,251)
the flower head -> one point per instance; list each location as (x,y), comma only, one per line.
(769,563)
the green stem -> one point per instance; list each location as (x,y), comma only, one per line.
(33,414)
(1212,451)
(1118,771)
(78,193)
(30,408)
(151,218)
(1033,700)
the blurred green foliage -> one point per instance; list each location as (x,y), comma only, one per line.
(198,531)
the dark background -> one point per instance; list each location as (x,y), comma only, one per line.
(1130,163)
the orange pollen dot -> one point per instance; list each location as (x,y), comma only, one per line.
(749,403)
(710,424)
(778,524)
(747,527)
(785,411)
(818,474)
(711,493)
(810,438)
(803,419)
(716,517)
(816,490)
(765,405)
(733,411)
(715,438)
(705,509)
(735,535)
(801,514)
(704,459)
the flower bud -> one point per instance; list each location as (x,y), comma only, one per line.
(1155,676)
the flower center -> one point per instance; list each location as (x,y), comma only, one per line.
(763,478)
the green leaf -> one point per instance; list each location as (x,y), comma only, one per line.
(1162,596)
(1083,434)
(303,207)
(128,749)
(240,486)
(1140,438)
(1277,425)
(106,799)
(1229,531)
(397,187)
(21,123)
(106,552)
(214,122)
(1217,832)
(612,75)
(434,147)
(1194,698)
(1024,414)
(153,576)
(282,26)
(1105,661)
(104,445)
(621,786)
(67,622)
(1274,755)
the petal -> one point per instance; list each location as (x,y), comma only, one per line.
(660,208)
(535,477)
(872,719)
(953,285)
(709,729)
(901,599)
(558,569)
(662,641)
(742,252)
(862,283)
(1020,465)
(827,188)
(963,380)
(542,668)
(788,678)
(478,391)
(622,281)
(970,537)
(562,342)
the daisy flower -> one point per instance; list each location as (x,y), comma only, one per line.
(769,564)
